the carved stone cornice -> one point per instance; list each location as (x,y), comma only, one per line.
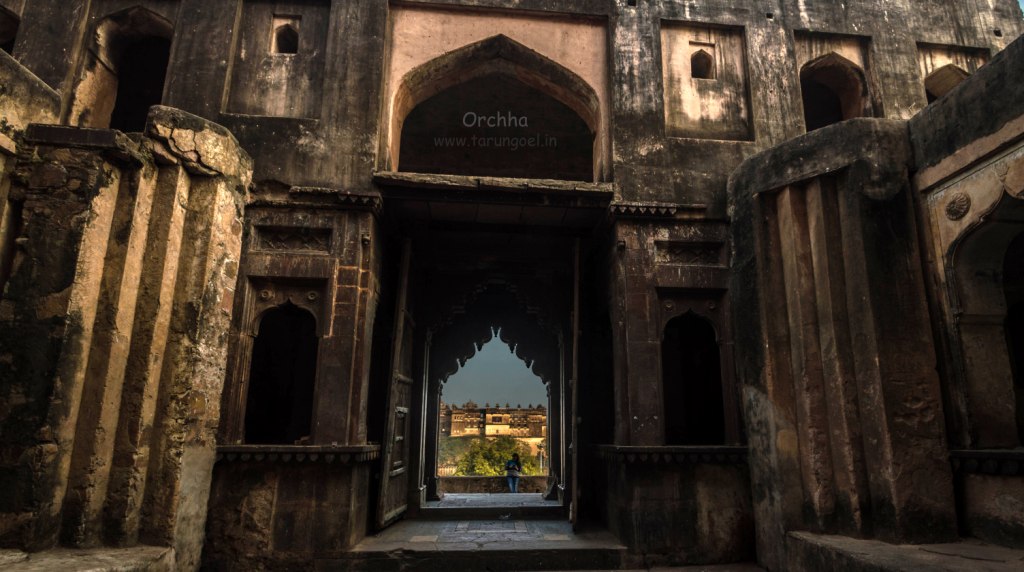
(298,454)
(673,455)
(650,209)
(1000,462)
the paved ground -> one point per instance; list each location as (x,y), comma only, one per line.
(476,500)
(138,559)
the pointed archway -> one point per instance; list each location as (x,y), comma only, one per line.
(499,64)
(833,89)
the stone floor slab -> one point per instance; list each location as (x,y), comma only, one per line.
(818,552)
(137,559)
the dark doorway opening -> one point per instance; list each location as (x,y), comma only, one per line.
(279,405)
(8,30)
(692,382)
(833,90)
(140,82)
(1013,284)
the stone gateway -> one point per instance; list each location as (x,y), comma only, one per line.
(767,259)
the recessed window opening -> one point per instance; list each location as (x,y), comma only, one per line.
(943,80)
(1013,285)
(8,30)
(282,376)
(476,440)
(692,382)
(702,65)
(141,72)
(833,89)
(285,40)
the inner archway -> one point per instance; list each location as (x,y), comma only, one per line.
(1013,286)
(493,406)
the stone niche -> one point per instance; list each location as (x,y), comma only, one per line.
(836,78)
(707,90)
(945,67)
(280,58)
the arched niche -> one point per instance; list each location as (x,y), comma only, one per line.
(943,80)
(282,377)
(496,59)
(833,89)
(988,290)
(123,71)
(9,23)
(702,65)
(286,40)
(692,390)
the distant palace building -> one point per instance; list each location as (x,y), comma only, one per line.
(471,420)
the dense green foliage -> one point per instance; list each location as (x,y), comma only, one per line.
(486,457)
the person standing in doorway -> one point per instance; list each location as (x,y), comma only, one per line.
(513,469)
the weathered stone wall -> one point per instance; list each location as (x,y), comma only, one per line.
(284,508)
(970,184)
(490,485)
(113,332)
(671,507)
(842,401)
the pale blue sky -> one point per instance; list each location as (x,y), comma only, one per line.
(495,375)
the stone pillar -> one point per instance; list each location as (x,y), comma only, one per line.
(195,358)
(113,331)
(344,372)
(834,348)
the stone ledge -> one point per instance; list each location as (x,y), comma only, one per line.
(674,455)
(809,551)
(113,143)
(505,184)
(327,454)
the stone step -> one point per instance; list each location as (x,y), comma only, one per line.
(474,560)
(494,513)
(478,545)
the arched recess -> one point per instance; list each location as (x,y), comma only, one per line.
(123,71)
(692,390)
(988,290)
(702,65)
(833,89)
(9,23)
(943,80)
(286,40)
(282,377)
(498,57)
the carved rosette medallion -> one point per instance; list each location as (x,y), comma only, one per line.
(958,206)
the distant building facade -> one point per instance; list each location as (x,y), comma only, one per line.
(471,420)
